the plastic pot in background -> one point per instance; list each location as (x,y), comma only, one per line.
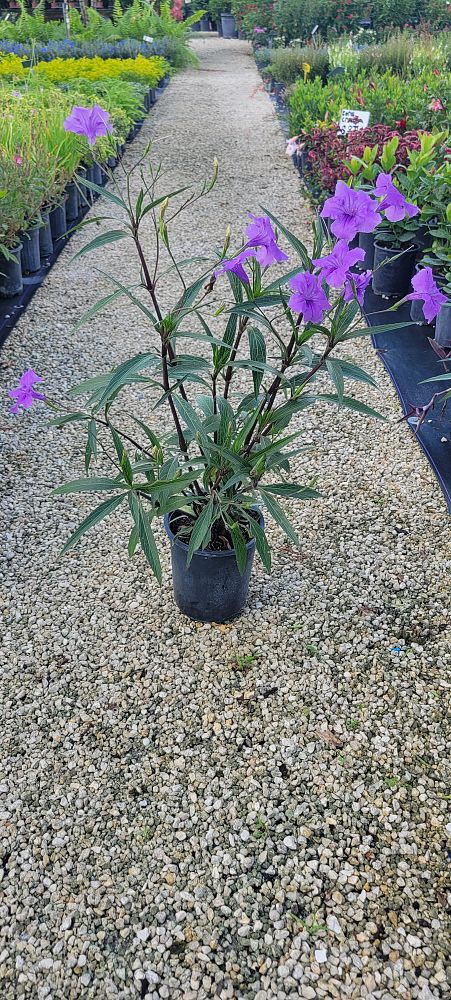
(112,162)
(211,588)
(219,27)
(228,26)
(72,206)
(58,223)
(82,191)
(417,314)
(11,274)
(393,278)
(366,243)
(45,236)
(31,254)
(204,24)
(443,326)
(97,174)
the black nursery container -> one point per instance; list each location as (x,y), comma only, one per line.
(11,274)
(393,279)
(72,207)
(366,243)
(31,254)
(45,236)
(211,588)
(58,223)
(443,326)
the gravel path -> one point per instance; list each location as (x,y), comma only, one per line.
(248,811)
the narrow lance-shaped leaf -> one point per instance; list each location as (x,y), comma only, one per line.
(201,529)
(279,516)
(96,515)
(101,241)
(257,351)
(239,546)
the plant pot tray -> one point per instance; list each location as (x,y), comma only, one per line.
(409,359)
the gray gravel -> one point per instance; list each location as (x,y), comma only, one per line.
(178,822)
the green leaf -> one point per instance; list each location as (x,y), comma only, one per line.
(257,351)
(103,240)
(148,544)
(384,328)
(293,241)
(200,531)
(279,516)
(336,375)
(68,418)
(97,307)
(261,542)
(104,191)
(239,546)
(133,541)
(293,491)
(119,376)
(96,515)
(352,404)
(94,484)
(91,444)
(154,440)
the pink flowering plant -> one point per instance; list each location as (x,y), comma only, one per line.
(245,348)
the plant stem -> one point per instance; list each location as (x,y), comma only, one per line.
(229,371)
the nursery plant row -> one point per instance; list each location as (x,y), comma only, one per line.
(407,256)
(49,176)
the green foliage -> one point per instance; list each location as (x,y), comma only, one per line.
(288,64)
(229,449)
(386,96)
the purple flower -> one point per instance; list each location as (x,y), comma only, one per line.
(356,285)
(426,289)
(236,265)
(261,235)
(393,202)
(309,297)
(90,122)
(352,212)
(336,266)
(25,394)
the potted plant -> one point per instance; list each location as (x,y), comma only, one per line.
(228,23)
(225,460)
(13,212)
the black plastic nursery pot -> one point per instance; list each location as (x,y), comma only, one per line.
(97,174)
(443,326)
(72,207)
(417,314)
(58,224)
(228,26)
(204,24)
(11,273)
(211,588)
(393,279)
(31,254)
(366,243)
(45,236)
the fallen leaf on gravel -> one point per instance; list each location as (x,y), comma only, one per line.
(328,737)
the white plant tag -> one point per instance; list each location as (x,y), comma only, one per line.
(351,121)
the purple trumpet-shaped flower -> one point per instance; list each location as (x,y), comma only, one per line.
(336,266)
(356,285)
(393,202)
(426,289)
(25,394)
(308,297)
(352,212)
(262,238)
(235,265)
(90,122)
